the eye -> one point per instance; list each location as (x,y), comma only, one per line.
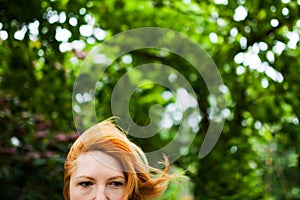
(116,184)
(85,183)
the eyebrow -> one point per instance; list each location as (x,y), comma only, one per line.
(86,177)
(92,179)
(117,177)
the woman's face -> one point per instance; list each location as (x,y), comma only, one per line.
(97,176)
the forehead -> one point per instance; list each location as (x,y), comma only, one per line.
(96,163)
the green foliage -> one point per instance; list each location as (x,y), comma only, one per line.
(257,54)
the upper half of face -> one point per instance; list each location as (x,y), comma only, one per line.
(97,176)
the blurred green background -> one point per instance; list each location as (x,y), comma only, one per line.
(255,45)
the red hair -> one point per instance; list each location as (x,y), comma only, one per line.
(142,182)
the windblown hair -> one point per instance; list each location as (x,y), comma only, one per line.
(142,181)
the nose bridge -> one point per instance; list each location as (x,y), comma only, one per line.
(101,193)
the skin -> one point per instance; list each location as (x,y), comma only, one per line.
(97,176)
